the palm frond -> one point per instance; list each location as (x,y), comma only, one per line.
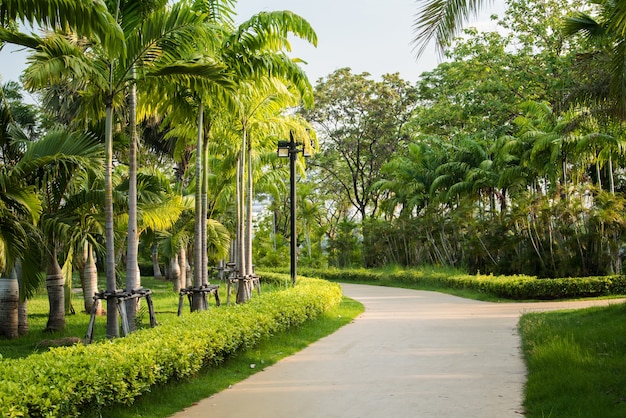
(86,17)
(441,20)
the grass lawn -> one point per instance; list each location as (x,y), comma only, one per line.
(576,363)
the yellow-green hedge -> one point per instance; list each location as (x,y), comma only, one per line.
(64,380)
(515,287)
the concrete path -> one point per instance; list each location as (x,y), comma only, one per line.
(412,354)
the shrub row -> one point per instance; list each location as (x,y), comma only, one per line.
(65,380)
(517,287)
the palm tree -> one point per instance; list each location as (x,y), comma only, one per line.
(606,35)
(89,18)
(254,53)
(262,41)
(153,44)
(76,152)
(51,162)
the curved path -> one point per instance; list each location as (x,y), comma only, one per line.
(412,354)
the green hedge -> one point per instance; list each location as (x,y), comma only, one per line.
(517,287)
(64,380)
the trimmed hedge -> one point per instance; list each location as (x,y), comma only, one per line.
(517,287)
(64,380)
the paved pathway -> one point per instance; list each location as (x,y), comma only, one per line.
(412,354)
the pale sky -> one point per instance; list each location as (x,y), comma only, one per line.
(371,36)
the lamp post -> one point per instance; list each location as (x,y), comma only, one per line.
(291,149)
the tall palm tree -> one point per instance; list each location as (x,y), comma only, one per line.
(254,52)
(49,163)
(87,18)
(155,40)
(262,41)
(76,152)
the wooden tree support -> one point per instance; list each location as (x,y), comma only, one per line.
(230,276)
(120,297)
(203,290)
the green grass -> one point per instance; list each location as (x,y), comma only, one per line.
(576,363)
(168,399)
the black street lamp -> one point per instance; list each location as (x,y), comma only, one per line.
(291,149)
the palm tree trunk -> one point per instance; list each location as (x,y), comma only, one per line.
(175,272)
(133,280)
(9,298)
(22,305)
(242,288)
(611,179)
(90,281)
(307,239)
(182,262)
(112,321)
(55,283)
(155,262)
(188,276)
(238,227)
(249,191)
(196,303)
(204,211)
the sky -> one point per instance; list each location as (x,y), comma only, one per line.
(372,36)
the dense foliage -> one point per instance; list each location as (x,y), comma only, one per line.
(505,159)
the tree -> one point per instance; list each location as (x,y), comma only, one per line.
(361,124)
(262,41)
(605,66)
(156,38)
(76,153)
(51,162)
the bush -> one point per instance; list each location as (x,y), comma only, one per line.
(515,287)
(65,380)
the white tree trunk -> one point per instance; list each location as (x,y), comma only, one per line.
(9,298)
(182,262)
(155,263)
(196,303)
(22,306)
(133,280)
(204,212)
(243,294)
(249,191)
(112,320)
(90,282)
(175,272)
(55,283)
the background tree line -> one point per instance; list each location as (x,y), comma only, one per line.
(506,158)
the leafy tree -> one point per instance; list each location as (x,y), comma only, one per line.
(361,123)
